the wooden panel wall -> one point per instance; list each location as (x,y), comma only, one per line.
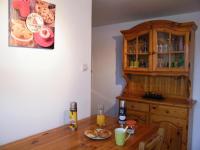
(176,87)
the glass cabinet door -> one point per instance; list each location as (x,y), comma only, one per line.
(177,57)
(143,51)
(138,50)
(131,52)
(170,51)
(163,49)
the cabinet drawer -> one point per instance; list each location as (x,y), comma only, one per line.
(140,117)
(137,106)
(169,111)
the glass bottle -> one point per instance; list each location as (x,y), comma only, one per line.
(73,116)
(145,47)
(101,120)
(122,113)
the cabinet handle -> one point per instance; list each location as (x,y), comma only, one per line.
(167,146)
(170,140)
(132,106)
(154,107)
(142,118)
(178,133)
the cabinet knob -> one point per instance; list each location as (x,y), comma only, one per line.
(154,107)
(167,111)
(170,140)
(178,133)
(142,118)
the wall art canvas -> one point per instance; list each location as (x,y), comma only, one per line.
(31,23)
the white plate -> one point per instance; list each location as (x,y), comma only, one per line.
(97,137)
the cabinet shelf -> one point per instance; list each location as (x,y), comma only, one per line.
(176,52)
(163,53)
(146,72)
(172,52)
(137,53)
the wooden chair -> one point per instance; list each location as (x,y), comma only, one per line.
(153,143)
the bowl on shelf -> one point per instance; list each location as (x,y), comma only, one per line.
(153,96)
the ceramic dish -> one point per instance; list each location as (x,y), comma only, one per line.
(98,134)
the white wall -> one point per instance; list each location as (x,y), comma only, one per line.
(107,81)
(37,85)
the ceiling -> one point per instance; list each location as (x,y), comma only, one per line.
(115,11)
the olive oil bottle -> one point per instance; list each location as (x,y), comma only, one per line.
(73,116)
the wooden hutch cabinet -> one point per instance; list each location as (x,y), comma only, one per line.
(158,63)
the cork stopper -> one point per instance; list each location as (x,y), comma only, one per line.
(73,106)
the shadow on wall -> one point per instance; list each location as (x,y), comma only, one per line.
(111,111)
(110,103)
(119,81)
(118,73)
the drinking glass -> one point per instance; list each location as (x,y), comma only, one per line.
(101,120)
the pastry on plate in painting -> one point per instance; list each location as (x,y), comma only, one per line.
(46,11)
(45,37)
(20,35)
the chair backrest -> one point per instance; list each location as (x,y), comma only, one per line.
(153,143)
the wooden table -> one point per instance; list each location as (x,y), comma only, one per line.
(63,138)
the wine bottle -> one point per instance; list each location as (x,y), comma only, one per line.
(122,113)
